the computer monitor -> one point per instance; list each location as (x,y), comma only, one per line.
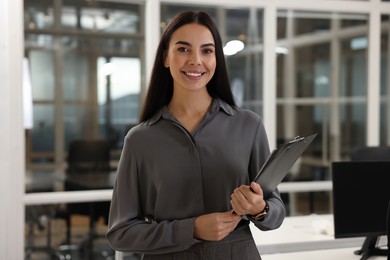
(361,195)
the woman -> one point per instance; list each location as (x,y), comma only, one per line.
(183,187)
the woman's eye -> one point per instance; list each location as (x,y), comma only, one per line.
(182,49)
(208,51)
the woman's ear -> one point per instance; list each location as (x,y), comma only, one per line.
(166,63)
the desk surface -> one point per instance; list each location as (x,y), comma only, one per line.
(335,254)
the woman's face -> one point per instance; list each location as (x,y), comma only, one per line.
(191,57)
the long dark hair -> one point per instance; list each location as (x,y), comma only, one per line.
(160,89)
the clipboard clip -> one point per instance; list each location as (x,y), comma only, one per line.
(296,139)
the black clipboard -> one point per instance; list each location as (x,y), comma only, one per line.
(280,162)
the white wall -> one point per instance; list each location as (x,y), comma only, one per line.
(11,131)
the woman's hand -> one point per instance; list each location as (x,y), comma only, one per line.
(215,226)
(248,200)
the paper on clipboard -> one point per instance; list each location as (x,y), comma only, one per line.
(280,162)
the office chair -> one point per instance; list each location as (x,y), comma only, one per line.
(85,157)
(88,156)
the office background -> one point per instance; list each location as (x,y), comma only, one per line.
(307,66)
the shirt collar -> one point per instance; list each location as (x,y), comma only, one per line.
(219,104)
(216,106)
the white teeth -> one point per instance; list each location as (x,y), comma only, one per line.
(193,74)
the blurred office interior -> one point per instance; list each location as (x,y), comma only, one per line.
(307,66)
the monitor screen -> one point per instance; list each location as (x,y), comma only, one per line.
(361,194)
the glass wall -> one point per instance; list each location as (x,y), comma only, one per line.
(87,64)
(312,44)
(311,47)
(69,44)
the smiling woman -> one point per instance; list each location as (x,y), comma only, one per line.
(192,137)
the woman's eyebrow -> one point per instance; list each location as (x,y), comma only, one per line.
(183,43)
(189,44)
(208,45)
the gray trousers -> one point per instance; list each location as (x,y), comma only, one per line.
(238,245)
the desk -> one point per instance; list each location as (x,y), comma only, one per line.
(329,254)
(307,237)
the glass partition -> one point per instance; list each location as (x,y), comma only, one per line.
(43,133)
(321,85)
(86,76)
(119,86)
(42,62)
(353,94)
(65,43)
(75,76)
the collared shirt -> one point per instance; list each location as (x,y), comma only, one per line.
(167,177)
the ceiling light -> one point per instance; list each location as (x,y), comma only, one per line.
(233,47)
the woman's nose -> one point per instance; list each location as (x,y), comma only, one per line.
(194,59)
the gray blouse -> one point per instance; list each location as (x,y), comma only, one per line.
(167,177)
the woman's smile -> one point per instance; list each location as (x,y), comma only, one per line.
(193,74)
